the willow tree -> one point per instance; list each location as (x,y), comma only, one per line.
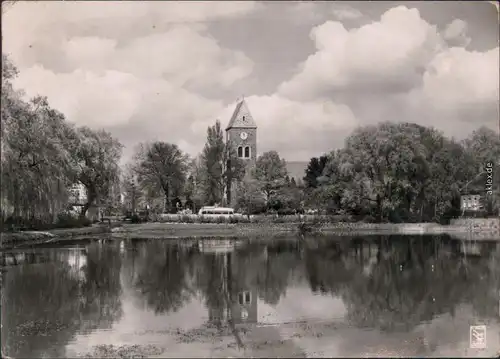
(95,155)
(36,156)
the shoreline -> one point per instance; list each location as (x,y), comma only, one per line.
(156,230)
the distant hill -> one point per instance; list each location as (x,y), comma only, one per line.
(297,169)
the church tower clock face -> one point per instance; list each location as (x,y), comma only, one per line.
(243,135)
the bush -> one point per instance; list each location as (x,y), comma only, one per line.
(63,220)
(186,219)
(14,223)
(135,219)
(66,220)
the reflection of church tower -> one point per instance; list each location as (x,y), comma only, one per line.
(243,295)
(236,301)
(244,307)
(241,133)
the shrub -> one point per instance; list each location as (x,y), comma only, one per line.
(186,219)
(66,220)
(135,219)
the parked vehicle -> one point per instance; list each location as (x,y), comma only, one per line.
(216,212)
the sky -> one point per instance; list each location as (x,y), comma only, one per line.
(310,72)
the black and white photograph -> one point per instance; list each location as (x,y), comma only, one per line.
(250,179)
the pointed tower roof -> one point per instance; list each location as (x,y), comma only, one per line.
(241,118)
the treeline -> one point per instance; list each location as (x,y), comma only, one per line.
(43,155)
(391,172)
(403,172)
(166,179)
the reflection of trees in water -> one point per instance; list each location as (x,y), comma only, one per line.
(45,305)
(218,277)
(326,270)
(161,276)
(388,284)
(102,286)
(39,307)
(209,279)
(412,281)
(274,273)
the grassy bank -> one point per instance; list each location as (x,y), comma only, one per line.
(28,238)
(265,229)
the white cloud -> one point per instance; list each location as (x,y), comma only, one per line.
(455,33)
(142,89)
(401,69)
(105,81)
(139,69)
(183,56)
(387,53)
(457,77)
(27,24)
(85,97)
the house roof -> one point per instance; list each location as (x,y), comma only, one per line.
(241,118)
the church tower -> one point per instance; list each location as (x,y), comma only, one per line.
(241,132)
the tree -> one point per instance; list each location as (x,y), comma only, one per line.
(314,170)
(221,166)
(194,190)
(483,145)
(96,155)
(162,166)
(43,155)
(35,154)
(270,170)
(395,172)
(287,199)
(249,196)
(330,186)
(131,189)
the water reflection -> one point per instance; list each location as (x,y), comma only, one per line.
(389,284)
(51,295)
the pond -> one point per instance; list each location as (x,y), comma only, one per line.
(350,297)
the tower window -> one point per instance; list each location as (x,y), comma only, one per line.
(244,298)
(247,152)
(244,118)
(240,152)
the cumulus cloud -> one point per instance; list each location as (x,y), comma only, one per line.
(144,71)
(34,32)
(455,33)
(401,69)
(457,77)
(389,53)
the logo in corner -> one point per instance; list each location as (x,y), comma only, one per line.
(477,338)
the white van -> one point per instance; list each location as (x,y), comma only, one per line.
(216,212)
